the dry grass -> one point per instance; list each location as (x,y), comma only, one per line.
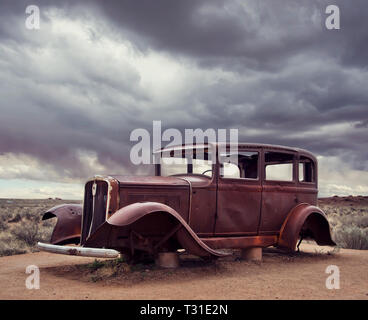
(348,217)
(21,226)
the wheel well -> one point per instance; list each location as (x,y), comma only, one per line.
(316,227)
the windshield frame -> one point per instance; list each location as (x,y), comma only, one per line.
(212,150)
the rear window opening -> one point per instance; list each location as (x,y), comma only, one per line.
(279,166)
(306,170)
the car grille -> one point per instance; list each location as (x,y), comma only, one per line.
(94,208)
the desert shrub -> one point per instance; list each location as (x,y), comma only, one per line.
(346,221)
(95,265)
(3,225)
(333,220)
(49,223)
(28,232)
(10,246)
(5,214)
(21,226)
(23,236)
(362,221)
(351,237)
(16,218)
(46,228)
(9,249)
(29,216)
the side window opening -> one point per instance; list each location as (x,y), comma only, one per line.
(249,165)
(306,170)
(279,166)
(243,165)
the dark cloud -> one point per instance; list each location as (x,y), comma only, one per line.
(243,34)
(269,68)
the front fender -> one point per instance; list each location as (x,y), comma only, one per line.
(68,225)
(307,219)
(149,219)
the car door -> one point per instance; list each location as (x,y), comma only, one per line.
(279,192)
(239,194)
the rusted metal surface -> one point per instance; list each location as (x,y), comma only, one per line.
(202,214)
(240,242)
(307,220)
(68,225)
(101,200)
(149,223)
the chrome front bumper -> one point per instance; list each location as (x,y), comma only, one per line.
(78,251)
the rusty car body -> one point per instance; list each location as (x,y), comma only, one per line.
(212,198)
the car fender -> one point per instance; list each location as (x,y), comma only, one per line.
(68,225)
(310,218)
(125,217)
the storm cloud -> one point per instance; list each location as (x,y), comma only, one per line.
(72,91)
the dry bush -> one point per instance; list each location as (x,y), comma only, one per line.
(21,226)
(30,232)
(10,249)
(362,221)
(5,213)
(351,237)
(27,232)
(349,223)
(3,225)
(10,246)
(16,218)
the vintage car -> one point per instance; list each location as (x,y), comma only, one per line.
(203,198)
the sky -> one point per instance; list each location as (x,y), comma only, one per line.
(72,91)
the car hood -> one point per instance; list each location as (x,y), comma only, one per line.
(151,181)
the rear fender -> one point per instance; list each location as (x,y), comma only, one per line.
(68,225)
(307,220)
(149,218)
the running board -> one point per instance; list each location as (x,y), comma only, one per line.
(78,251)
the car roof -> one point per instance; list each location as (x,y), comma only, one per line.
(242,145)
